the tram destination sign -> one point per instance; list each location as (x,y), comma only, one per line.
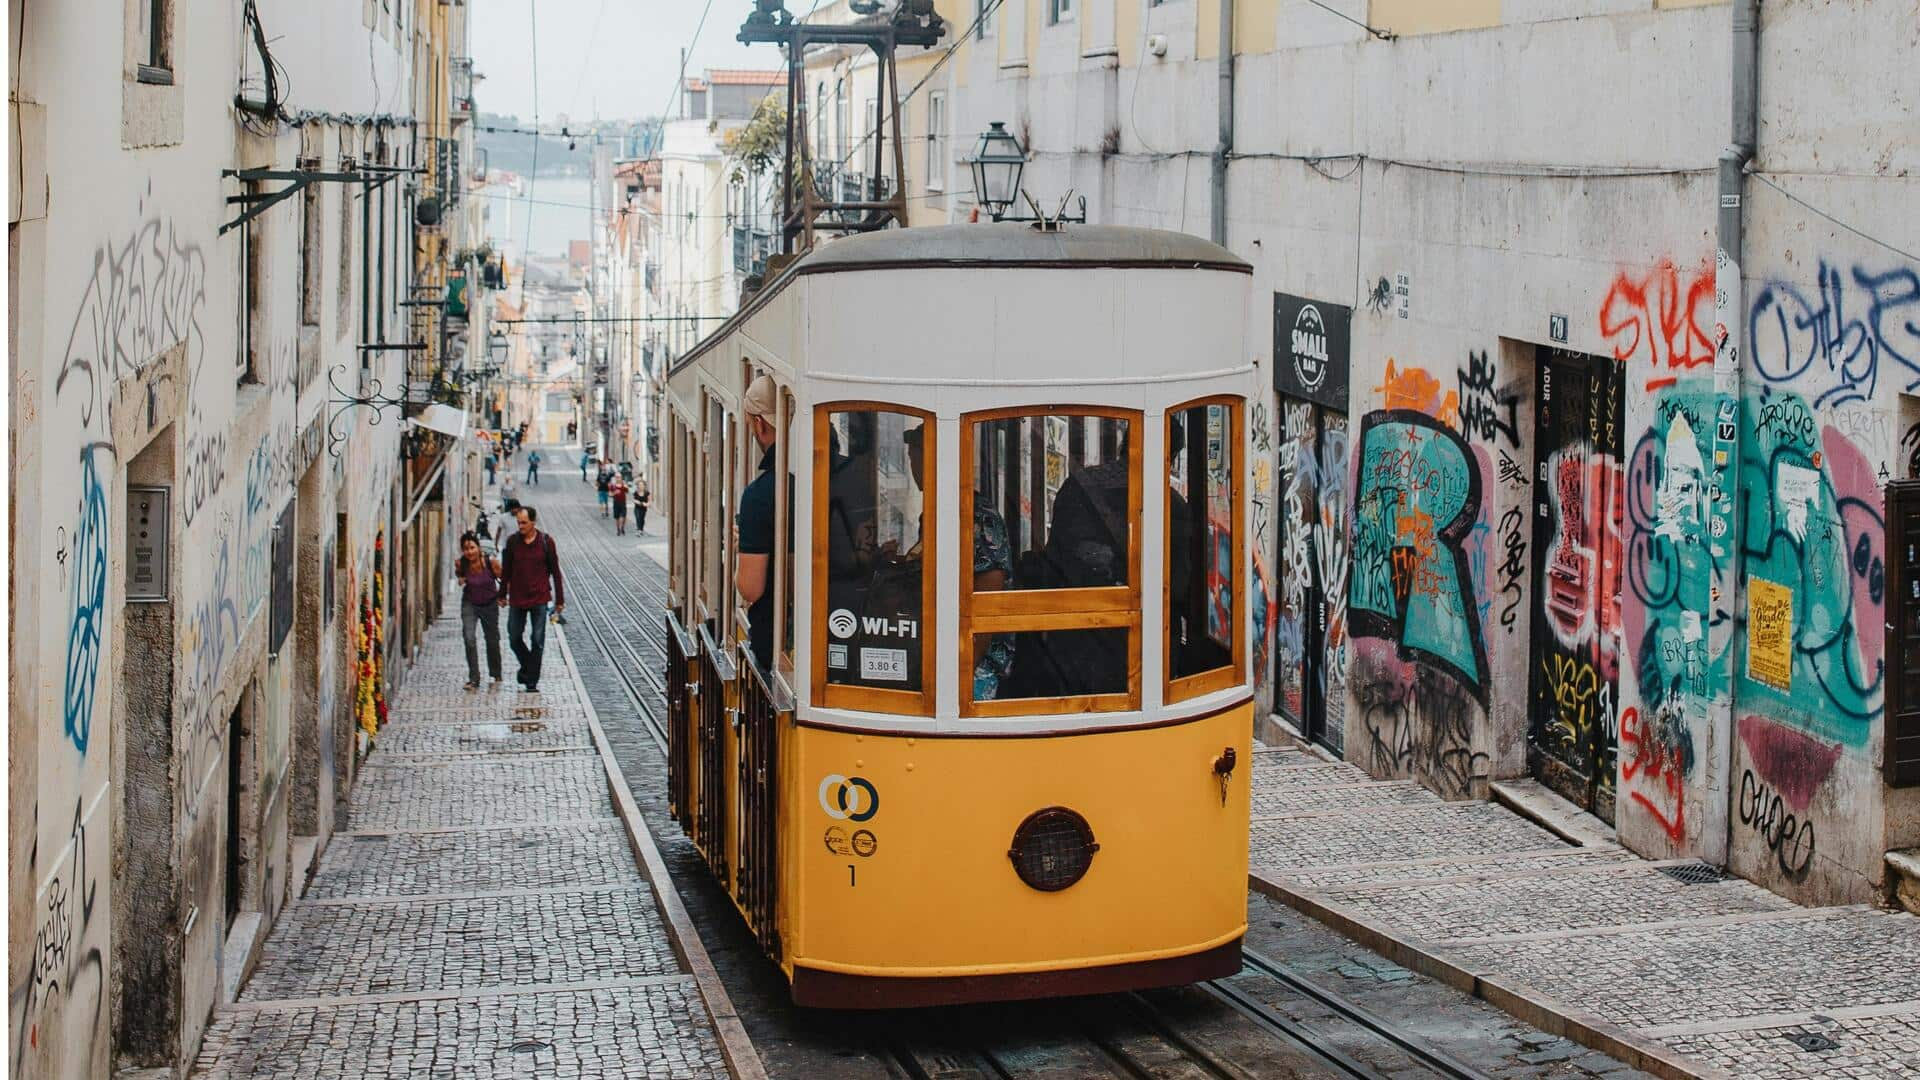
(1310,349)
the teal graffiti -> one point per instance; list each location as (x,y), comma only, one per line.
(1668,599)
(1812,522)
(1418,501)
(88,602)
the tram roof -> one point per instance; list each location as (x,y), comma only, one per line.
(1014,244)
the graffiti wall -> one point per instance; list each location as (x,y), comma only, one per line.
(1827,360)
(1434,573)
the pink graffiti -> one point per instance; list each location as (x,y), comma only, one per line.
(1583,566)
(1795,763)
(1857,494)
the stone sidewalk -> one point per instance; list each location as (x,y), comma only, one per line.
(489,912)
(1666,965)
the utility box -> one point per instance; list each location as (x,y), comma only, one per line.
(147,529)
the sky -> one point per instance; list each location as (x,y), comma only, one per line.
(614,58)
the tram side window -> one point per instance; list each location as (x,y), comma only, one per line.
(1053,607)
(1204,635)
(873,486)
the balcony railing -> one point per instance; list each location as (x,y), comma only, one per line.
(460,77)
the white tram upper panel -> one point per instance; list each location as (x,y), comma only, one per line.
(997,306)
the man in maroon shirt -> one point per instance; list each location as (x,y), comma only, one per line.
(527,563)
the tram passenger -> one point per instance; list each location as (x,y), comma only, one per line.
(753,573)
(1086,547)
(992,571)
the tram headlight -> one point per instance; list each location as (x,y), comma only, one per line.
(1052,849)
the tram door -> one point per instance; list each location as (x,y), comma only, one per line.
(1573,729)
(1310,485)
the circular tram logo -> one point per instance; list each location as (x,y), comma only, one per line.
(849,798)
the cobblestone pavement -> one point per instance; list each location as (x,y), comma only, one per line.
(483,916)
(619,647)
(1715,977)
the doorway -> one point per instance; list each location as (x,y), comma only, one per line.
(1311,451)
(1573,729)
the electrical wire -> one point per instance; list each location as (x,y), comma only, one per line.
(1383,35)
(680,80)
(533,174)
(586,61)
(1817,212)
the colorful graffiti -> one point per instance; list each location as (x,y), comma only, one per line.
(1333,557)
(1654,766)
(1261,498)
(1661,322)
(1671,589)
(1840,337)
(1418,721)
(1418,500)
(1812,524)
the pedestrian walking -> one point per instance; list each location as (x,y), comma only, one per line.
(479,577)
(530,566)
(533,468)
(640,498)
(586,462)
(617,494)
(493,462)
(509,491)
(606,474)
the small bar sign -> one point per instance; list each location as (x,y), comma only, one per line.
(147,544)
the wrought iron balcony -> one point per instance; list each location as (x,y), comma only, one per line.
(460,77)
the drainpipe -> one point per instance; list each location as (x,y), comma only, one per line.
(1225,145)
(1730,307)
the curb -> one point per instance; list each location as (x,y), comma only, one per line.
(743,1061)
(1516,999)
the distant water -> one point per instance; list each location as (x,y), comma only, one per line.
(554,206)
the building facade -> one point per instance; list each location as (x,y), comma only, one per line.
(1553,484)
(218,568)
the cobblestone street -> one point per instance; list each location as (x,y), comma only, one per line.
(1655,962)
(483,917)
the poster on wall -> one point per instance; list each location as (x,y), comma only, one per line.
(1770,633)
(1310,349)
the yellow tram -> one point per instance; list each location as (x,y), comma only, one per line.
(990,738)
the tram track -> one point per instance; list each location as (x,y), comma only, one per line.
(1268,1020)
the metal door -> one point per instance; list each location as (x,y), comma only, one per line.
(1577,558)
(1309,608)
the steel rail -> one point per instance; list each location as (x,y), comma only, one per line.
(1427,1055)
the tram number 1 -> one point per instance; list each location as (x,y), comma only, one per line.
(850,880)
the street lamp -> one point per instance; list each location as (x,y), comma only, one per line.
(497,348)
(997,163)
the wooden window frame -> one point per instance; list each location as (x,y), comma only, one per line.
(914,703)
(1015,610)
(1220,678)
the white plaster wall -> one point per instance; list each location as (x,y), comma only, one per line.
(125,269)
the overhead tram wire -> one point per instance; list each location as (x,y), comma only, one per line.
(533,173)
(986,12)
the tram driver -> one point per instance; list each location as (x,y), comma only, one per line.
(753,571)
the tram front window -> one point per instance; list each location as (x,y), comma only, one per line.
(876,521)
(1054,603)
